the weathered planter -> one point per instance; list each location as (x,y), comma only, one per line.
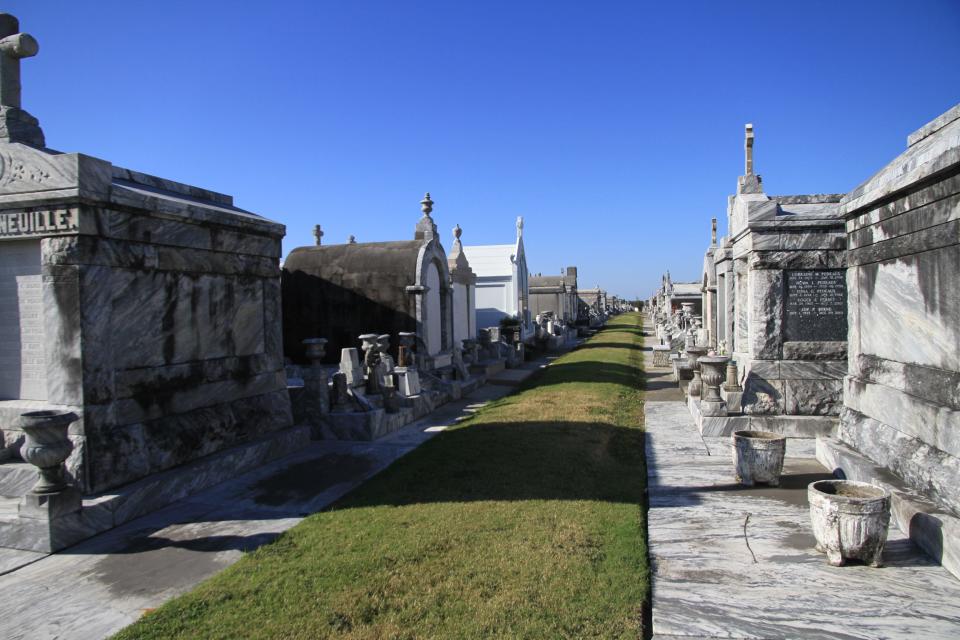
(712,374)
(758,457)
(850,520)
(47,447)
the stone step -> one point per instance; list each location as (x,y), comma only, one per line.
(930,527)
(790,426)
(16,478)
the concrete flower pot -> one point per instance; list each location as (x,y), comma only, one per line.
(47,447)
(758,457)
(850,520)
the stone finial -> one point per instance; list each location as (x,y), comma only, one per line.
(519,227)
(16,125)
(317,233)
(748,149)
(426,205)
(351,240)
(713,233)
(426,228)
(457,232)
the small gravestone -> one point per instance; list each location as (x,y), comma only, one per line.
(350,366)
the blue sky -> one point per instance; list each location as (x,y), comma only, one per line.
(614,128)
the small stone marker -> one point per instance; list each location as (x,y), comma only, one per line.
(350,366)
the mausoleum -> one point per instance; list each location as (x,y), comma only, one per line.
(145,306)
(502,283)
(339,292)
(900,413)
(782,300)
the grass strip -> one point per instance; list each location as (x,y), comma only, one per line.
(524,521)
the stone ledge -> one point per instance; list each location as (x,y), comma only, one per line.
(790,426)
(933,529)
(106,511)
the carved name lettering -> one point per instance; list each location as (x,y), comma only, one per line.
(30,224)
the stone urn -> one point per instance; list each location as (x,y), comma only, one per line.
(758,457)
(712,372)
(693,357)
(850,520)
(47,447)
(315,349)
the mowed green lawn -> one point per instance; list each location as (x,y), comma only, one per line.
(525,521)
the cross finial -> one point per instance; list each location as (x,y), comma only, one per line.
(13,47)
(748,148)
(426,205)
(317,233)
(519,227)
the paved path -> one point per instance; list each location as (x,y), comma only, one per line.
(101,585)
(732,562)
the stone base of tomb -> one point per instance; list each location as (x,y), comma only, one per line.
(932,527)
(790,426)
(371,425)
(21,528)
(488,368)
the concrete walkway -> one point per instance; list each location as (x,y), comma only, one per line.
(732,562)
(99,586)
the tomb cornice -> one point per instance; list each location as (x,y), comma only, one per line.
(928,160)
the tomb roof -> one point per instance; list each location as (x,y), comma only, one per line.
(385,261)
(933,149)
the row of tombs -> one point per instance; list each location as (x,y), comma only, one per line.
(151,345)
(837,317)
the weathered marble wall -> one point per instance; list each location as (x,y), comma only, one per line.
(902,391)
(161,306)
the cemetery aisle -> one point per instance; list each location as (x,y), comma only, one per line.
(739,562)
(526,520)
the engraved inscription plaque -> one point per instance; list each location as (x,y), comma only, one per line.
(815,305)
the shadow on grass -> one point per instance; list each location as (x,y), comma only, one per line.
(515,461)
(611,345)
(588,371)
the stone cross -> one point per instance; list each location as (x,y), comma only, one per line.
(13,47)
(748,148)
(317,233)
(519,227)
